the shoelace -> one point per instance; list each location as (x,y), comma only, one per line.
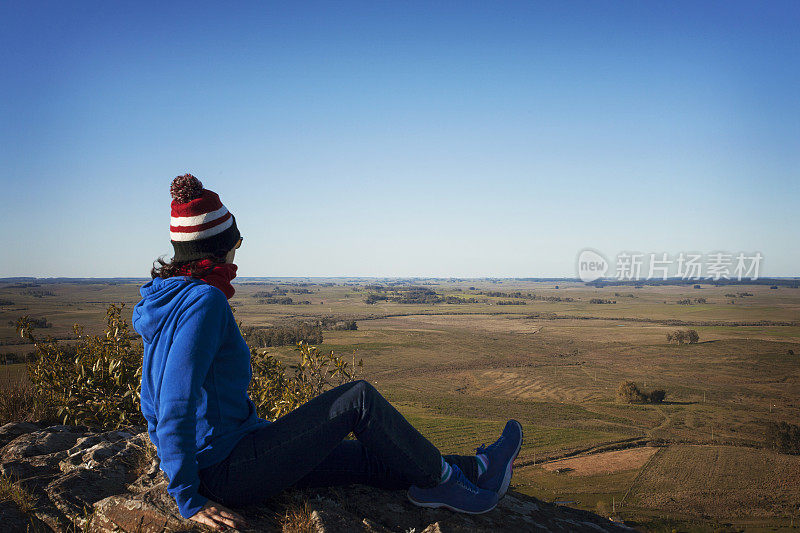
(483,448)
(466,485)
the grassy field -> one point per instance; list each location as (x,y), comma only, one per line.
(459,371)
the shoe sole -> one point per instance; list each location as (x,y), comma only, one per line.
(437,505)
(507,478)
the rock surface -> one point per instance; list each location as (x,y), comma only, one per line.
(110,481)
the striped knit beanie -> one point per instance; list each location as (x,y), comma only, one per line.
(200,225)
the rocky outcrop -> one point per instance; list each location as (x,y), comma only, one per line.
(110,481)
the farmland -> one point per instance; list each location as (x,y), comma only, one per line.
(459,367)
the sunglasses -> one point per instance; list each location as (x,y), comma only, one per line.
(238,244)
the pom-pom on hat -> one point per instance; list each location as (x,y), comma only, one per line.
(200,225)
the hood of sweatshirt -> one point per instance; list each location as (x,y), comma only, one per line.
(161,300)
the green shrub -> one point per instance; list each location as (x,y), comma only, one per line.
(96,383)
(275,394)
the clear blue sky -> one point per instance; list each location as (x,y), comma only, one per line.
(400,138)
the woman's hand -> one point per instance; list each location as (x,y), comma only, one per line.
(217,516)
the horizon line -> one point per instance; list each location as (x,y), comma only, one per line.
(11,279)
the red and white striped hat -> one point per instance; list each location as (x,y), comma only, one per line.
(200,226)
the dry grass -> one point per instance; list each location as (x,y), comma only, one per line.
(603,463)
(297,518)
(721,482)
(18,403)
(11,490)
(141,459)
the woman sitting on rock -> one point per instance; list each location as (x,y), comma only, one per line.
(217,452)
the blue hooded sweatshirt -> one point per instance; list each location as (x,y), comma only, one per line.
(195,374)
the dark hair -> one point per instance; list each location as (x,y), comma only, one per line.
(177,268)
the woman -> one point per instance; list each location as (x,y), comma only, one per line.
(215,450)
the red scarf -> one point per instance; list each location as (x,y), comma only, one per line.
(220,276)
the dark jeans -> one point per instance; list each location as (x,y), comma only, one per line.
(307,448)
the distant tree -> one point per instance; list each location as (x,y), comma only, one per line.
(783,437)
(372,298)
(681,336)
(628,392)
(657,396)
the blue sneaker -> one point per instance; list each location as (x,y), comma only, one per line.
(456,494)
(501,457)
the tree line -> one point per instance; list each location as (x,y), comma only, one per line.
(526,296)
(416,295)
(265,337)
(690,301)
(337,324)
(285,300)
(35,322)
